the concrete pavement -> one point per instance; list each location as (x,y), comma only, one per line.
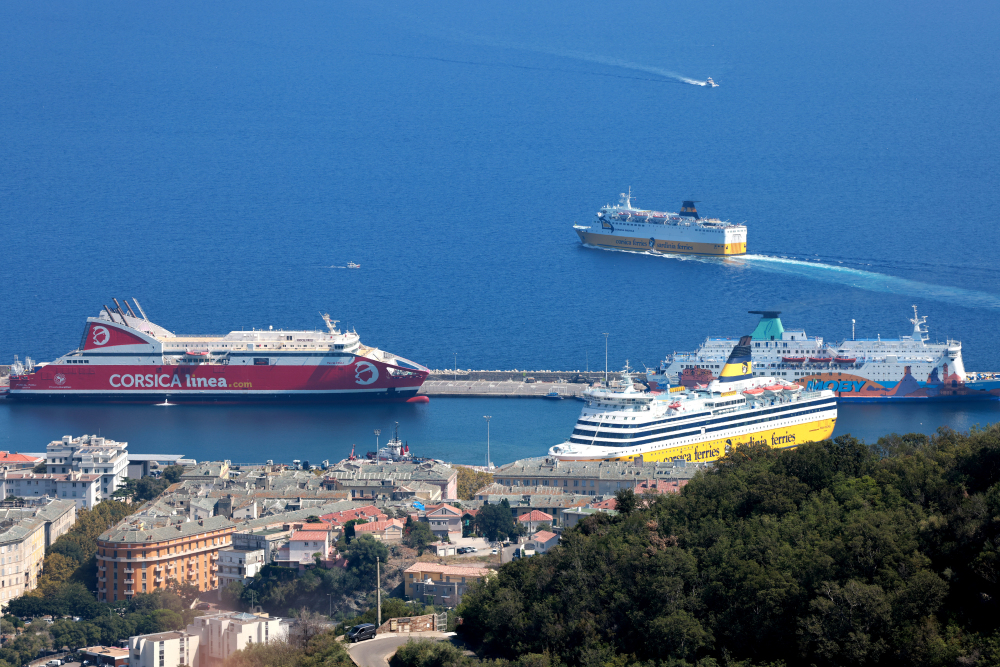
(376,652)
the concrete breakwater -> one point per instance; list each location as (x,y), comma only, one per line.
(511,384)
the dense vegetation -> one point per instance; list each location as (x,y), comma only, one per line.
(72,557)
(469,481)
(147,488)
(99,623)
(834,553)
(279,590)
(496,522)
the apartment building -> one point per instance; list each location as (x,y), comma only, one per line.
(267,540)
(146,553)
(441,585)
(590,478)
(239,565)
(163,649)
(222,634)
(83,489)
(380,480)
(25,533)
(90,455)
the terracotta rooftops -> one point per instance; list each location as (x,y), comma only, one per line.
(7,457)
(543,536)
(535,515)
(310,535)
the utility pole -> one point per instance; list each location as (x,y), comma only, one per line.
(455,375)
(487,418)
(378,588)
(606,358)
(378,432)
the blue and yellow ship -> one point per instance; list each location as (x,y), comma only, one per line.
(625,227)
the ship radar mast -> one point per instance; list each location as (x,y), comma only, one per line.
(919,330)
(330,324)
(626,199)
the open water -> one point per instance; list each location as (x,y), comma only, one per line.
(218,160)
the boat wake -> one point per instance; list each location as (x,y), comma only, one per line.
(843,275)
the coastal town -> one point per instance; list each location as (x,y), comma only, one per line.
(208,530)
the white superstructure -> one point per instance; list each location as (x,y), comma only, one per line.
(702,424)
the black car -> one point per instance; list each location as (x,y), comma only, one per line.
(361,632)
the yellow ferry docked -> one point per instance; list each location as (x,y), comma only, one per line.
(622,423)
(625,227)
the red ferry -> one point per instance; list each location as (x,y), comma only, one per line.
(125,357)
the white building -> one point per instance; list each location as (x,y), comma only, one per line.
(301,547)
(83,489)
(90,454)
(162,649)
(221,635)
(239,565)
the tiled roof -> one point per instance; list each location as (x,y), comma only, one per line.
(373,526)
(310,535)
(7,457)
(608,504)
(133,530)
(459,570)
(535,515)
(543,536)
(448,509)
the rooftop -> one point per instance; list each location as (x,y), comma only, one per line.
(140,529)
(535,515)
(7,457)
(458,570)
(310,535)
(543,536)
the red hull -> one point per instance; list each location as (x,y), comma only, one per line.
(364,379)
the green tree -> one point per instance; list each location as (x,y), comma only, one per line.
(361,556)
(495,522)
(417,535)
(469,481)
(173,473)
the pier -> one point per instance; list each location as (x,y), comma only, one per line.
(510,384)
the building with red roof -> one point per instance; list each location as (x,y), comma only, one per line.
(386,530)
(18,461)
(535,518)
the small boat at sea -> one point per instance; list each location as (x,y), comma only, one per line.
(554,396)
(352,265)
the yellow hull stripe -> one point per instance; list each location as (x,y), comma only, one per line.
(711,450)
(638,244)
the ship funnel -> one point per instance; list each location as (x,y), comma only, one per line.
(688,210)
(739,366)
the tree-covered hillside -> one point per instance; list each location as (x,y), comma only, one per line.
(834,553)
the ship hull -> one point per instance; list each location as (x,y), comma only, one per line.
(858,389)
(712,449)
(363,380)
(662,241)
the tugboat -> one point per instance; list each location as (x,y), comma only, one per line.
(394,450)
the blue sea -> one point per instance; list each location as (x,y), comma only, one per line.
(218,162)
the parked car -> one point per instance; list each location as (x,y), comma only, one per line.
(494,552)
(54,663)
(361,632)
(462,550)
(471,550)
(203,605)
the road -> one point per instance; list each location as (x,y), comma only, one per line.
(376,652)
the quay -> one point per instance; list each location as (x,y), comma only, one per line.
(510,384)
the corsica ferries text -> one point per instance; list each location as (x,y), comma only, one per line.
(152,381)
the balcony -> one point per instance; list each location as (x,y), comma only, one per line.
(158,580)
(213,568)
(102,568)
(158,568)
(130,581)
(102,579)
(129,570)
(129,593)
(103,589)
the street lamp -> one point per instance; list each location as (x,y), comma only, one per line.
(455,375)
(487,418)
(605,359)
(378,432)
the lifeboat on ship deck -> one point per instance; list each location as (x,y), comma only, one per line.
(820,360)
(844,360)
(793,360)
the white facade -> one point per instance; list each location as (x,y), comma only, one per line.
(221,635)
(163,649)
(83,489)
(239,565)
(90,455)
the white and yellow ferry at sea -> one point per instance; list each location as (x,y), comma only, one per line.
(622,423)
(625,227)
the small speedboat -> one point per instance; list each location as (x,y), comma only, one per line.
(554,396)
(710,84)
(352,265)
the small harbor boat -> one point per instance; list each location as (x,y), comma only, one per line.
(352,265)
(554,396)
